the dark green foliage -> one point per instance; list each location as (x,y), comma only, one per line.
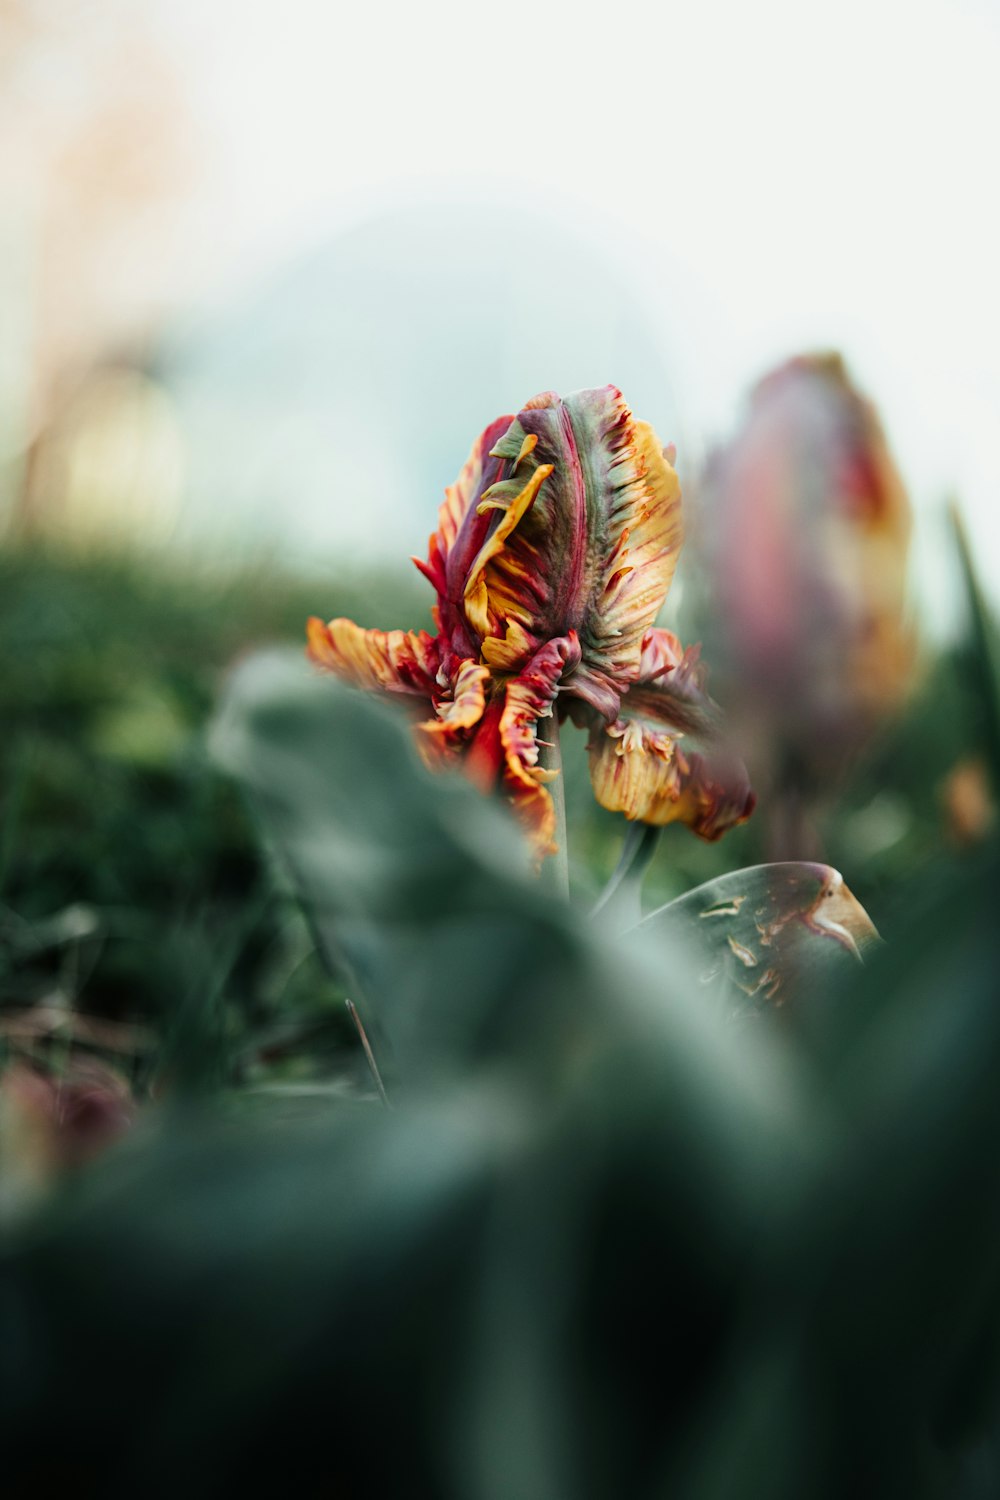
(132,883)
(604,1243)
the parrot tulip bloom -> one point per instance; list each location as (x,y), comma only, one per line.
(553,554)
(804,547)
(807,551)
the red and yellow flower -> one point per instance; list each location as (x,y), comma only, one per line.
(806,553)
(553,554)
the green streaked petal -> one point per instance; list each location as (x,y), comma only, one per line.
(597,551)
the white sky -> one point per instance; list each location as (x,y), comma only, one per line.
(815,175)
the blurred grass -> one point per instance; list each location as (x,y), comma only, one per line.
(132,882)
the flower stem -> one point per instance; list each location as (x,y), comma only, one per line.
(623,893)
(556,868)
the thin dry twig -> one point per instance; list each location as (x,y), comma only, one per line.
(369,1054)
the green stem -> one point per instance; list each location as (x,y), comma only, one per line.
(623,892)
(555,870)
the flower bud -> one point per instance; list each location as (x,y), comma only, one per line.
(806,532)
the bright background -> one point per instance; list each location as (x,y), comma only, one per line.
(267,269)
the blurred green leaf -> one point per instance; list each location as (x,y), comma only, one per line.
(621,899)
(985,664)
(418,888)
(603,1245)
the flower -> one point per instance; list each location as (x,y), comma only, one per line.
(805,550)
(55,1122)
(554,551)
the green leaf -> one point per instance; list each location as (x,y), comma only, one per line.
(419,888)
(761,935)
(420,893)
(985,669)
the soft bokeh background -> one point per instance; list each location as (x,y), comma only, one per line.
(266,270)
(265,273)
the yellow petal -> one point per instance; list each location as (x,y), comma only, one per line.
(395,661)
(476,596)
(652,777)
(504,653)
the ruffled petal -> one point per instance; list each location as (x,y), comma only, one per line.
(665,759)
(460,535)
(653,778)
(529,698)
(393,661)
(670,692)
(460,709)
(513,500)
(504,753)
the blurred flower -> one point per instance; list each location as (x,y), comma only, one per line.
(969,809)
(52,1123)
(806,536)
(553,554)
